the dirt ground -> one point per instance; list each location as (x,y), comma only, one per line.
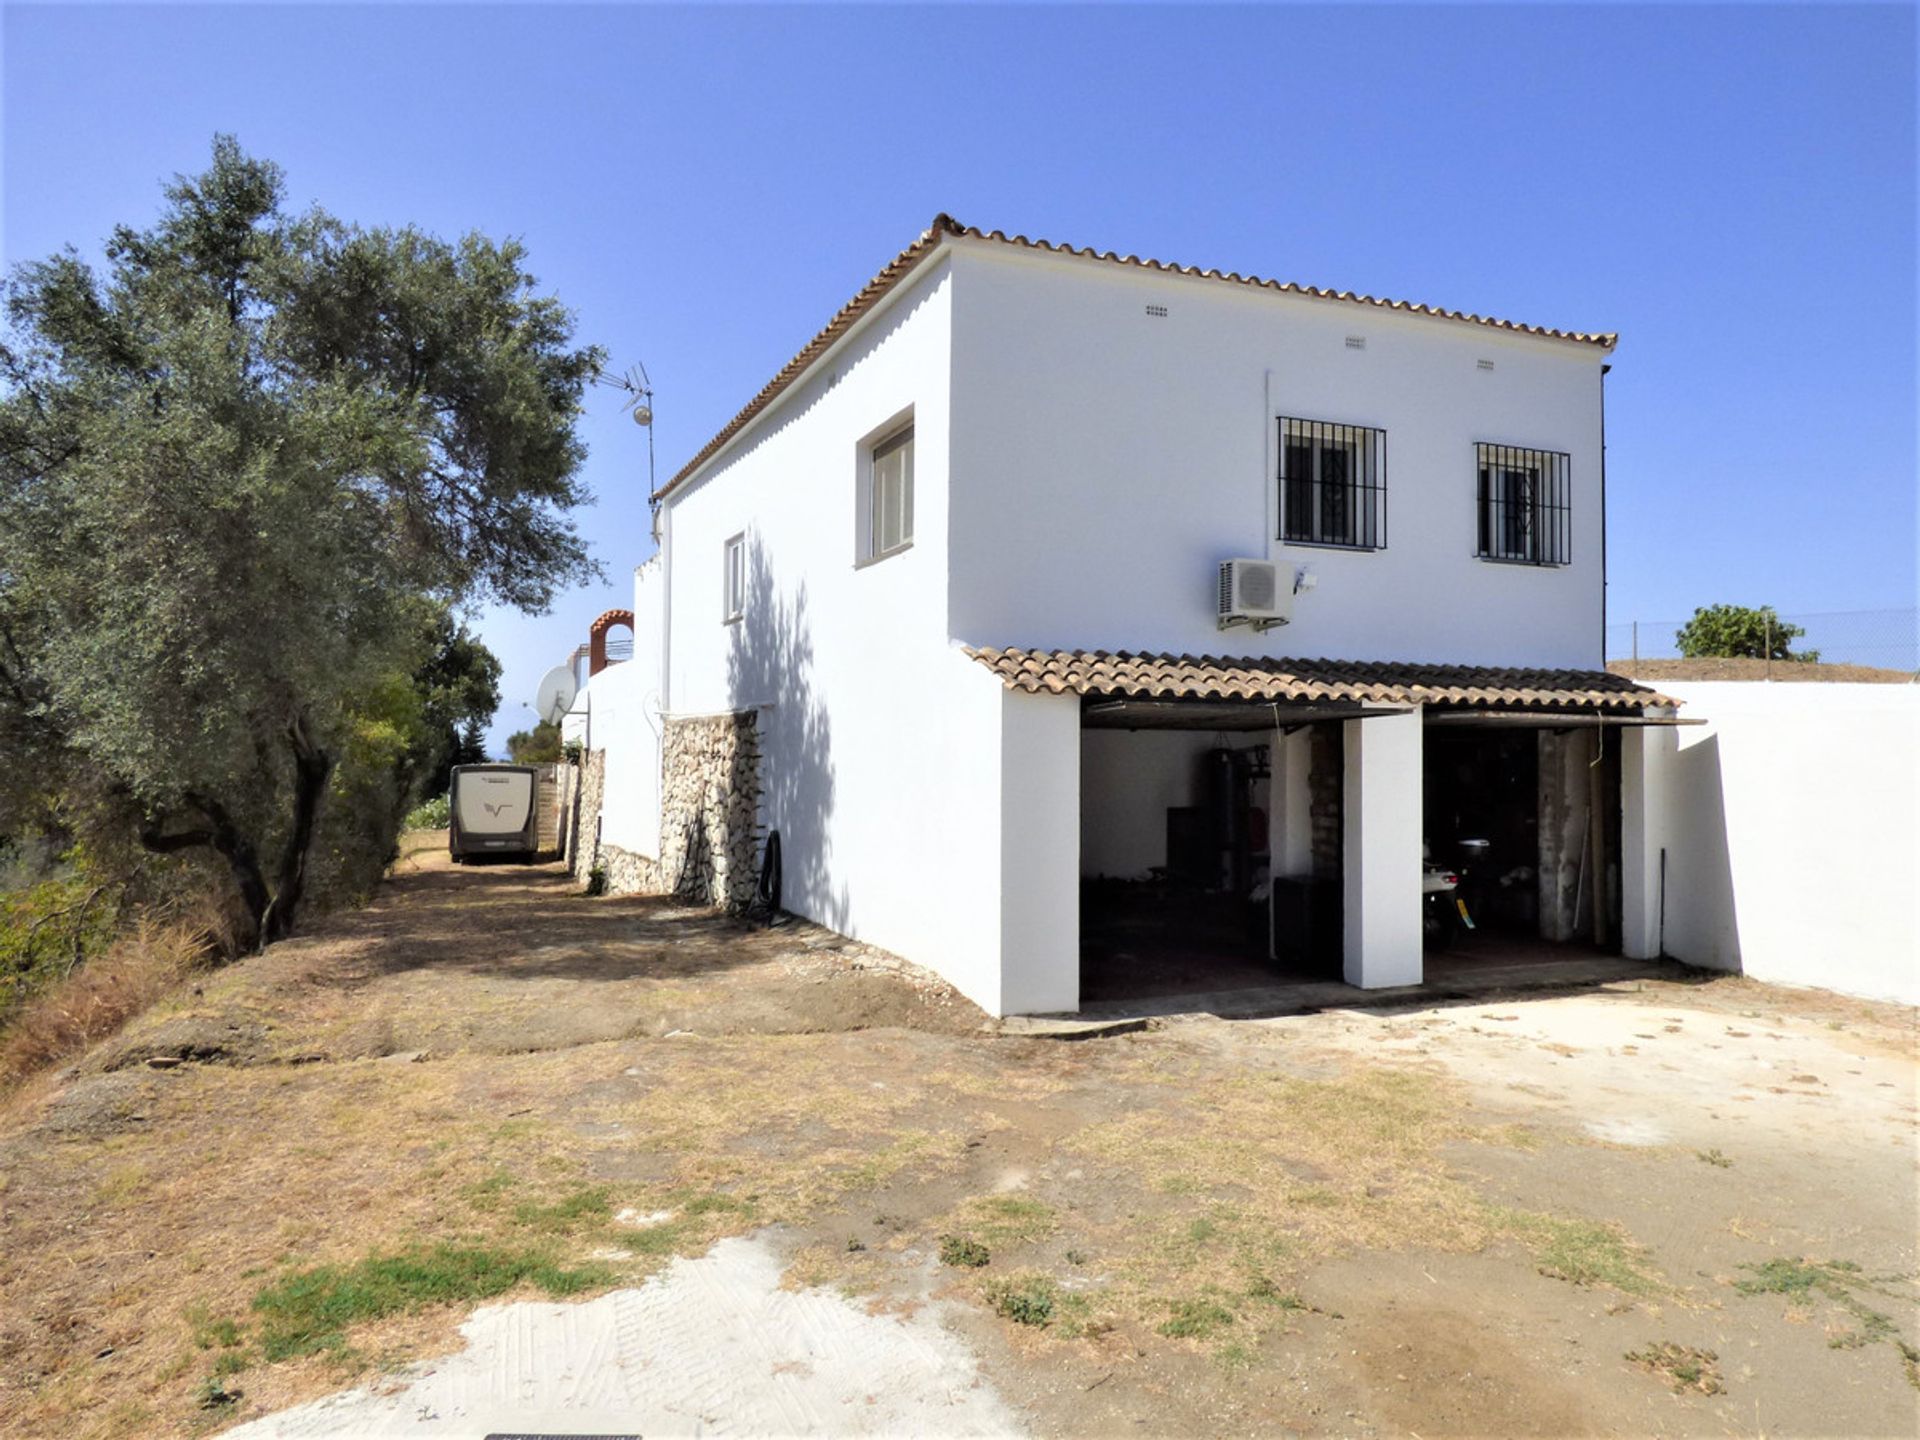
(1672,1208)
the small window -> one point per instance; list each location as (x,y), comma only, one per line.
(1525,505)
(733,587)
(889,496)
(1333,484)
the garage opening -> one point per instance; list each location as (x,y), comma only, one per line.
(1525,817)
(1210,857)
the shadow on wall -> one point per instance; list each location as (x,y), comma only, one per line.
(1702,924)
(770,668)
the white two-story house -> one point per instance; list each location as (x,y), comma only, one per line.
(944,608)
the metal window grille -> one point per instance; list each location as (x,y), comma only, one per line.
(1525,505)
(1333,484)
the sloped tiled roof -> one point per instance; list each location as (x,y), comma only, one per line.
(945,226)
(1218,677)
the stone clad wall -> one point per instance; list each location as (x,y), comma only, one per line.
(710,828)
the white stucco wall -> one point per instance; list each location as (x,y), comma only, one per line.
(1105,461)
(1791,826)
(881,742)
(1128,781)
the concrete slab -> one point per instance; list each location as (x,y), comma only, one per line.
(711,1346)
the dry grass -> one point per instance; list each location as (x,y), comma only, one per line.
(102,995)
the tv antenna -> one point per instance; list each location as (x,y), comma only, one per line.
(638,388)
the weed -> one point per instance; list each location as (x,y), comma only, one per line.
(962,1252)
(1026,1301)
(597,880)
(214,1394)
(1076,1257)
(855,1245)
(309,1311)
(1715,1158)
(1685,1368)
(1195,1319)
(1838,1281)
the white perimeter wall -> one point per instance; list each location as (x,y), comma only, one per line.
(1105,462)
(623,704)
(1791,823)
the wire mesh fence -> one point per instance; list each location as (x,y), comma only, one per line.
(1880,639)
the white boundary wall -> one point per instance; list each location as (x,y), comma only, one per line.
(1791,826)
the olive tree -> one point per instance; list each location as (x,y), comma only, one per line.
(242,467)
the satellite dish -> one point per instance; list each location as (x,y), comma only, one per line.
(555,695)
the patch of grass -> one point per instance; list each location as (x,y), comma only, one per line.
(1025,1300)
(210,1332)
(566,1214)
(1684,1367)
(310,1310)
(963,1253)
(1005,1219)
(718,1204)
(1581,1252)
(1714,1158)
(215,1394)
(1839,1282)
(1195,1319)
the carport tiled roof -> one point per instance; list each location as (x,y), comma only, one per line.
(1222,677)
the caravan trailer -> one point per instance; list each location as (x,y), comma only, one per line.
(493,811)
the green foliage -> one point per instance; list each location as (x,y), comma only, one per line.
(1739,632)
(434,814)
(247,471)
(1029,1300)
(48,928)
(538,746)
(963,1253)
(1196,1319)
(311,1310)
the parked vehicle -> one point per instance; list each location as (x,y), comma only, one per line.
(1443,899)
(492,812)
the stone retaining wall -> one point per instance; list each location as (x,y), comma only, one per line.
(710,830)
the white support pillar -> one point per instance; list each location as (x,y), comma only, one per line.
(1646,755)
(1039,854)
(1382,821)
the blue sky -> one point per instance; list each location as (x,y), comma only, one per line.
(1731,188)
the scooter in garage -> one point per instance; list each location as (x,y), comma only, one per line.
(1443,904)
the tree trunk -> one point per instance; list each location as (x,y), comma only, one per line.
(225,839)
(312,766)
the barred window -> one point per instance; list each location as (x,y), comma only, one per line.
(1525,504)
(1333,484)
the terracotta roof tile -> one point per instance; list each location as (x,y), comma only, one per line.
(1218,677)
(944,226)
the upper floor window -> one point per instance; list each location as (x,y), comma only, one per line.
(1525,505)
(888,495)
(733,582)
(1333,484)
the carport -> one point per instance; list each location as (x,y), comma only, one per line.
(1248,823)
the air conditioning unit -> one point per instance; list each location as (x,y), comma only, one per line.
(1255,592)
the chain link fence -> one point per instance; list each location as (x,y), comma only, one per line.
(1881,639)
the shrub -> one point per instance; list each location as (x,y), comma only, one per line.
(1738,631)
(434,814)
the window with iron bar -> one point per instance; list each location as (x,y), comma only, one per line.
(1525,505)
(1333,484)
